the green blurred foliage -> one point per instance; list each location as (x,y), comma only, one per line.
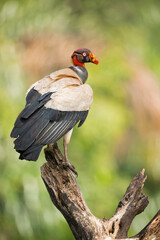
(126,28)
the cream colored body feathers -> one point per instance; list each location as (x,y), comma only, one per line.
(69,93)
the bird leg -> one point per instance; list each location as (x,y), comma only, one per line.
(66,163)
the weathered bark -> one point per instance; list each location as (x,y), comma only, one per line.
(67,197)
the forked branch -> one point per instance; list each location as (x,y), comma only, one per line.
(67,197)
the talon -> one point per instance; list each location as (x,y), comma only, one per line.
(70,166)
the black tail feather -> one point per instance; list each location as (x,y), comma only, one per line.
(31,154)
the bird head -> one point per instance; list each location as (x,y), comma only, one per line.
(83,55)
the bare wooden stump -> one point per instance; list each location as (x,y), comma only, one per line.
(67,197)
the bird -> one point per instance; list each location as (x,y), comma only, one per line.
(54,105)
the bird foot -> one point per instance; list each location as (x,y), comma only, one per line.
(67,164)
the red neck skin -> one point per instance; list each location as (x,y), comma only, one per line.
(76,62)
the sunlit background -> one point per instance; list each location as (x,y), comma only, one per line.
(122,132)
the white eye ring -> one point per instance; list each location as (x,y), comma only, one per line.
(84,54)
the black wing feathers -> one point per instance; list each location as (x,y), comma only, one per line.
(37,125)
(32,96)
(32,107)
(54,131)
(83,118)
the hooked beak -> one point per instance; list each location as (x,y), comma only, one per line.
(93,58)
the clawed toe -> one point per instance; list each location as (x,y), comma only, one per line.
(70,166)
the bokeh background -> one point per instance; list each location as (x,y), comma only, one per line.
(122,131)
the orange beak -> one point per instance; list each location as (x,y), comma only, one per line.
(93,58)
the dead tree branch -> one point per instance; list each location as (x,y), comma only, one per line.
(67,197)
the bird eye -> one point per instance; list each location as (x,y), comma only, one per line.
(84,54)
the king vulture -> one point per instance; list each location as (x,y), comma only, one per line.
(54,105)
